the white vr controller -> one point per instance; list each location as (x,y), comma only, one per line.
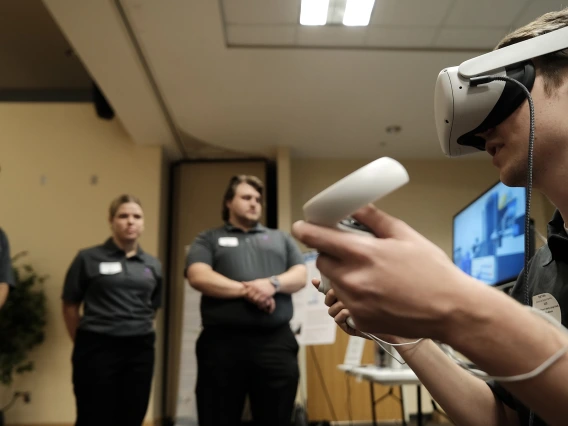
(334,205)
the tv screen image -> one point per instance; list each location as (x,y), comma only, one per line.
(489,235)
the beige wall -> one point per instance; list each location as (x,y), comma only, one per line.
(437,190)
(67,144)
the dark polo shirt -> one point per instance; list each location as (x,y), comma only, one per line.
(120,294)
(6,272)
(245,256)
(547,290)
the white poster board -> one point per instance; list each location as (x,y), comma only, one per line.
(354,351)
(311,323)
(186,412)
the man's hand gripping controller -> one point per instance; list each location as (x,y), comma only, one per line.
(333,206)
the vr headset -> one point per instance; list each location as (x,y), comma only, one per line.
(463,108)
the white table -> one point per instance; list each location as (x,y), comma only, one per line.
(390,377)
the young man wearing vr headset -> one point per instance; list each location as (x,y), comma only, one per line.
(401,286)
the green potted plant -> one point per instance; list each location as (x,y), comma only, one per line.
(22,324)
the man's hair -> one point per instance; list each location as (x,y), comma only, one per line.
(119,201)
(553,66)
(235,181)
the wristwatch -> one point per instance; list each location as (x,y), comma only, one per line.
(275,282)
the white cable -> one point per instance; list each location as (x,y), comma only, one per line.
(449,351)
(350,324)
(519,377)
(379,341)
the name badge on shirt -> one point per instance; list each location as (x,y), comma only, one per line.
(110,268)
(228,241)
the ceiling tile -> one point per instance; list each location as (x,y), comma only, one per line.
(537,8)
(400,37)
(331,36)
(409,12)
(266,12)
(261,35)
(485,13)
(469,38)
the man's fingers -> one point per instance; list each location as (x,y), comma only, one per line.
(270,305)
(382,224)
(333,242)
(327,265)
(333,269)
(330,298)
(341,316)
(256,295)
(335,309)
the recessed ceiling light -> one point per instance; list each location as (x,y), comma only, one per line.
(314,12)
(358,12)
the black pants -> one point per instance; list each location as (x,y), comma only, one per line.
(232,364)
(112,377)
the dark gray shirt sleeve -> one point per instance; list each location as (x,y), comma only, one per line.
(502,394)
(200,251)
(157,295)
(6,271)
(293,253)
(74,287)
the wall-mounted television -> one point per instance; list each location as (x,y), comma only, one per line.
(489,235)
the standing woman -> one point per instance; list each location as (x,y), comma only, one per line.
(119,286)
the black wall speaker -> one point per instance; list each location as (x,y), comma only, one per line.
(103,108)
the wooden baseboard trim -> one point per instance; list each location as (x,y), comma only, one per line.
(39,424)
(157,422)
(365,423)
